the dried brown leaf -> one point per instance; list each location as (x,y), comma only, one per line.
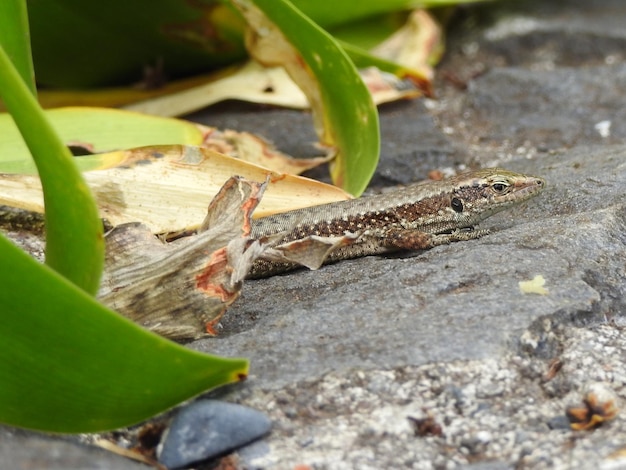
(416,45)
(254,149)
(168,187)
(181,290)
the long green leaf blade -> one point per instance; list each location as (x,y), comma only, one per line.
(345,114)
(68,364)
(15,38)
(330,14)
(74,240)
(101,129)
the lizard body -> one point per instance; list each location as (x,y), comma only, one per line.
(414,217)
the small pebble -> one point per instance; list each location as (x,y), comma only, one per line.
(209,428)
(559,422)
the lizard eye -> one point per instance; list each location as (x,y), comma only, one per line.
(500,187)
(456,204)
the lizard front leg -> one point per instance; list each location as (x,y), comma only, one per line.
(412,239)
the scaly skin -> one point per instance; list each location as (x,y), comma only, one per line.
(415,217)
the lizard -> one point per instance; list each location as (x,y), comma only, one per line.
(416,217)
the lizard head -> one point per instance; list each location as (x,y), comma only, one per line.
(474,196)
(483,193)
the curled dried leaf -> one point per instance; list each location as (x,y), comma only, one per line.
(417,45)
(599,405)
(181,289)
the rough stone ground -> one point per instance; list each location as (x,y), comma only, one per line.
(341,357)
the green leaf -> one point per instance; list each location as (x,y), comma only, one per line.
(100,129)
(68,364)
(346,118)
(338,12)
(74,240)
(15,39)
(113,42)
